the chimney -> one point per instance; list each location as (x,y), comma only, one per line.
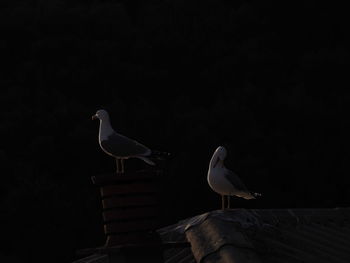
(131,215)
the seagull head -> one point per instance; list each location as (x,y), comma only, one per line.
(101,115)
(220,155)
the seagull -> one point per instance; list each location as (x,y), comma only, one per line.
(224,181)
(120,146)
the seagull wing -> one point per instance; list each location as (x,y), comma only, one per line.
(235,181)
(122,146)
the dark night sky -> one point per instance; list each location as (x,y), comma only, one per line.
(266,80)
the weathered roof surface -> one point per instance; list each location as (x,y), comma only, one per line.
(264,236)
(175,233)
(276,235)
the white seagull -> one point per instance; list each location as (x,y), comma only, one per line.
(224,181)
(119,146)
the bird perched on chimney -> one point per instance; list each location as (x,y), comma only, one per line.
(120,146)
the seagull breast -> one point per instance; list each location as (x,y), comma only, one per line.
(218,182)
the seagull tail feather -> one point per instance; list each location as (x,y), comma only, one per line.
(146,160)
(160,155)
(255,194)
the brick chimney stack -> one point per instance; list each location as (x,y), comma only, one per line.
(131,215)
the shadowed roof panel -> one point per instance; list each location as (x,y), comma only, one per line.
(267,235)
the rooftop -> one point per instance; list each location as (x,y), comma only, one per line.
(262,235)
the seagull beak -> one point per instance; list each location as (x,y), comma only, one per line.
(94,117)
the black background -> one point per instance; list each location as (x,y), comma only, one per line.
(269,81)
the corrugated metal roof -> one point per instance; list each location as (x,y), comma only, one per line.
(264,236)
(175,233)
(267,235)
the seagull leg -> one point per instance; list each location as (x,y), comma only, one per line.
(122,162)
(117,163)
(228,201)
